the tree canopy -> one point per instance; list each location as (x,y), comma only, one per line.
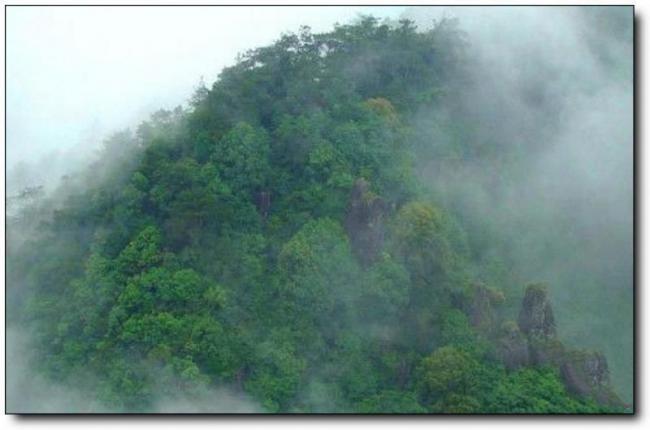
(221,253)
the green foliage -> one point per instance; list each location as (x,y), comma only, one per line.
(538,391)
(276,373)
(385,292)
(447,371)
(242,157)
(398,402)
(209,250)
(424,237)
(456,331)
(142,253)
(318,274)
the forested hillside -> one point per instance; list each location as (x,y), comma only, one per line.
(279,239)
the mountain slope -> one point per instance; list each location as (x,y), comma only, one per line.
(275,239)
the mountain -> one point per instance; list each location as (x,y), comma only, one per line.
(277,241)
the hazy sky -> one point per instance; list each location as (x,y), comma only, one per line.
(76,73)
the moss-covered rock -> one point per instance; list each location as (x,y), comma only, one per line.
(536,316)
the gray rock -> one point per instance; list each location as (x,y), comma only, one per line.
(536,315)
(586,374)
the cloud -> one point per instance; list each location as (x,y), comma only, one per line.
(547,100)
(32,392)
(89,71)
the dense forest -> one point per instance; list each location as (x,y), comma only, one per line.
(280,240)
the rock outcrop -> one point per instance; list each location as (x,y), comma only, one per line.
(533,341)
(585,374)
(536,315)
(263,203)
(364,222)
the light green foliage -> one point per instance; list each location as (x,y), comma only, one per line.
(385,293)
(142,253)
(317,268)
(398,402)
(447,370)
(456,381)
(456,331)
(277,372)
(242,157)
(536,390)
(424,237)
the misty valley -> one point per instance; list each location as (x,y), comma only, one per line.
(413,216)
